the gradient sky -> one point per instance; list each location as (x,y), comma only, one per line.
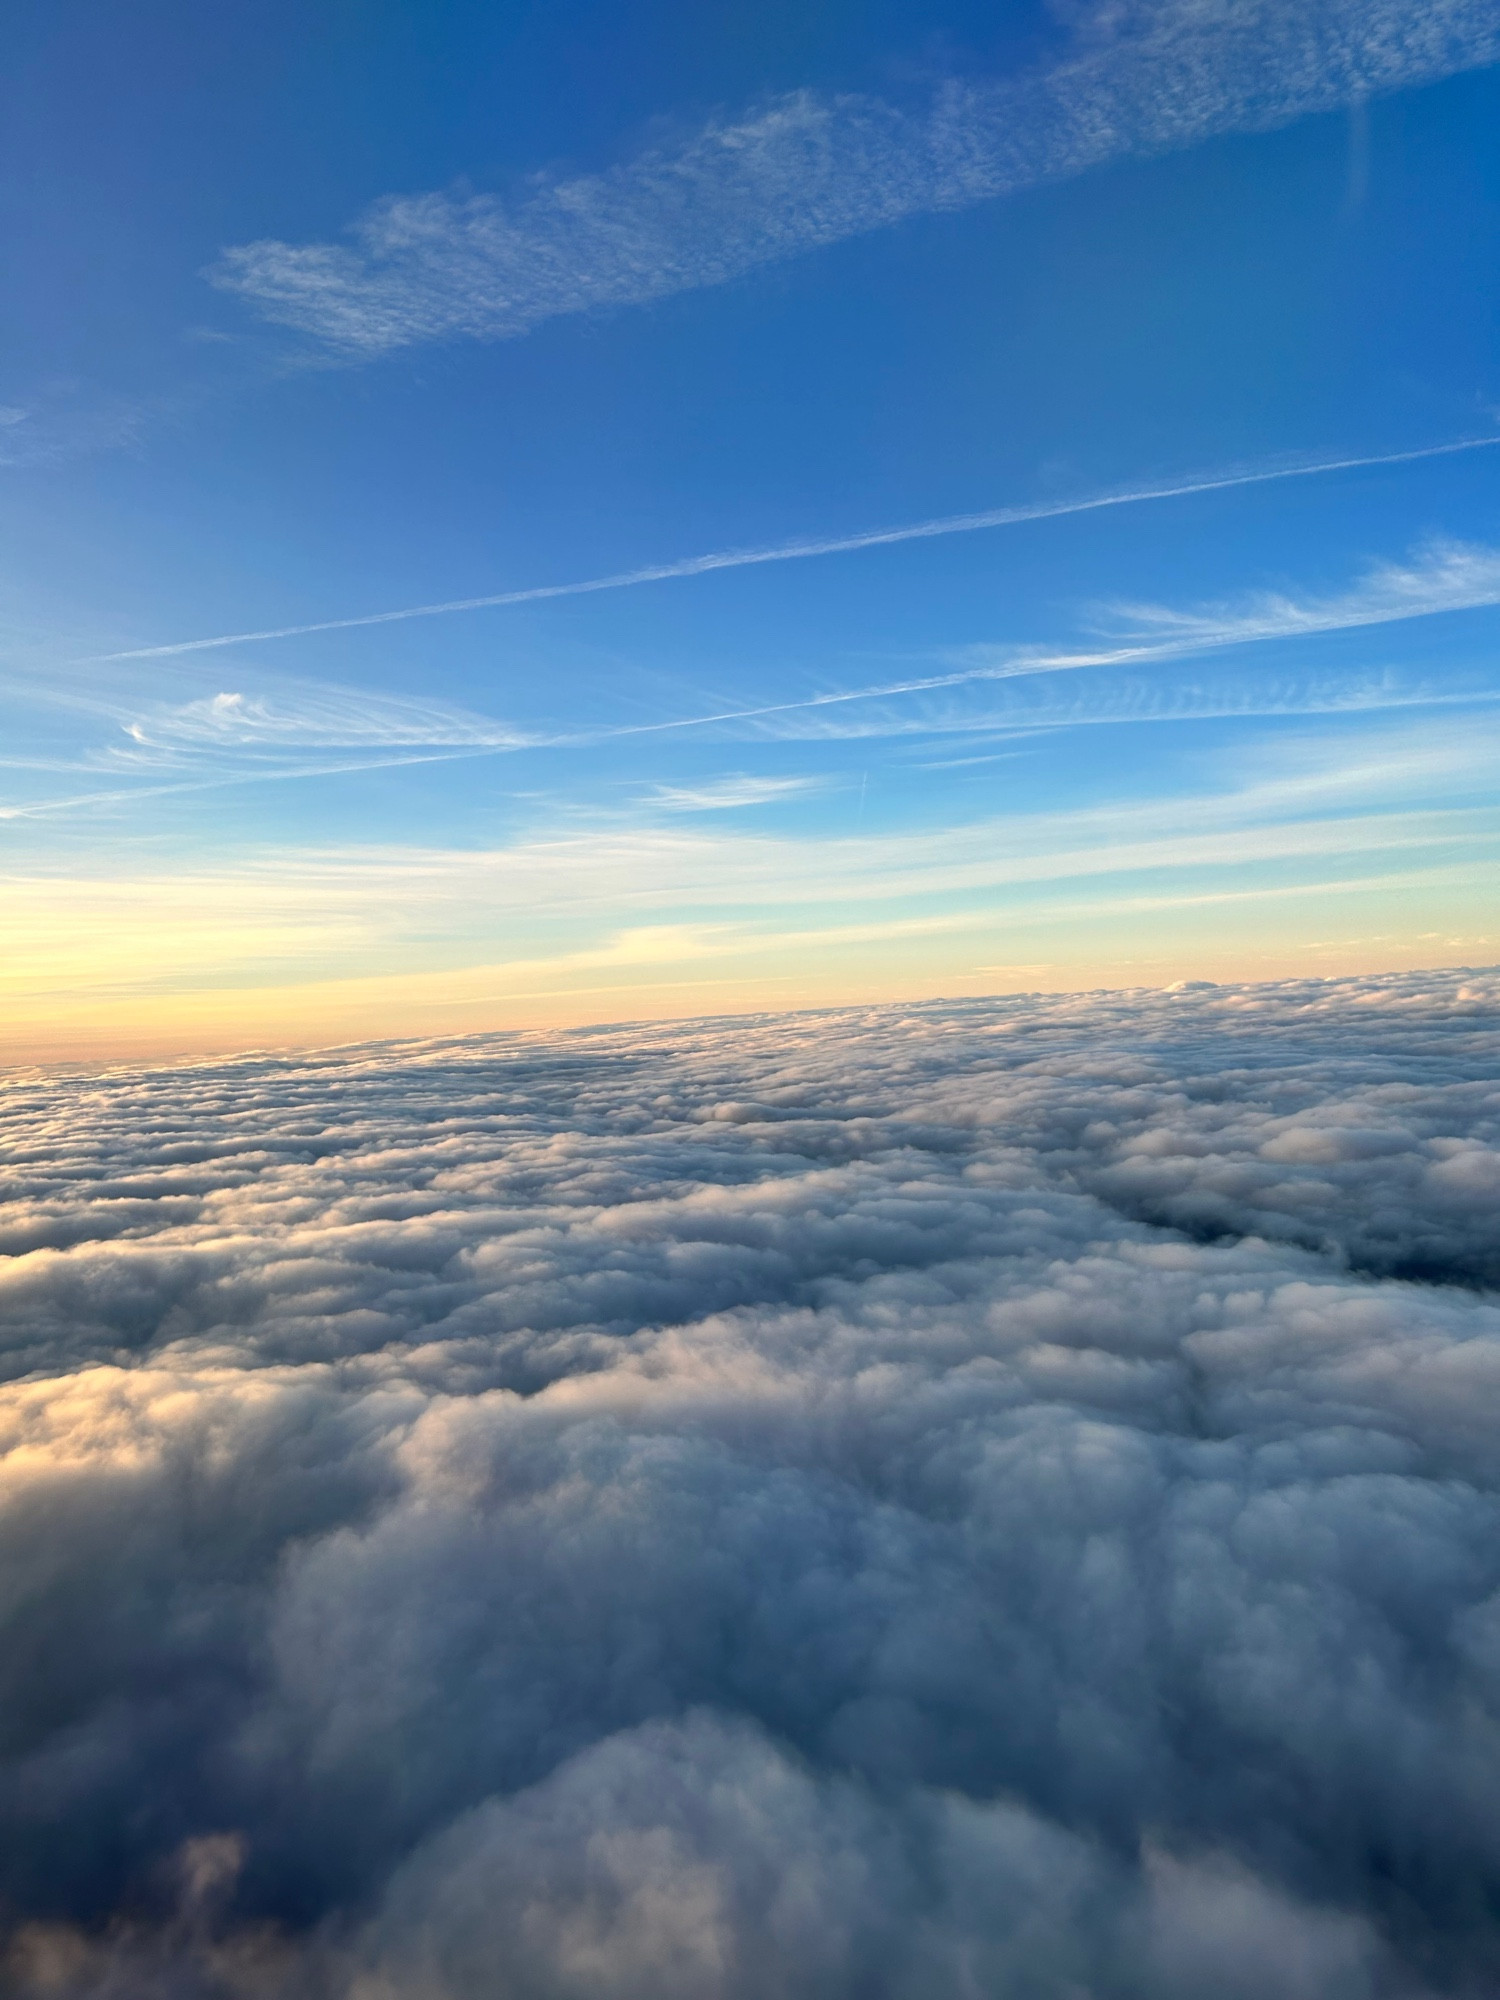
(319,313)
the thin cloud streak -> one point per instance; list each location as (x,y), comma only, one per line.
(261,774)
(799,551)
(1404,788)
(1445,577)
(289,716)
(729,794)
(1002,725)
(274,730)
(1023,723)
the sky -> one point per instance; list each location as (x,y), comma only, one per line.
(749,1095)
(520,516)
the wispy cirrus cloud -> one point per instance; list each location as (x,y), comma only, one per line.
(63,421)
(1441,575)
(1019,709)
(1402,794)
(728,794)
(301,714)
(1146,77)
(286,727)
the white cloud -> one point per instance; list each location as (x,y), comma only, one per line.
(63,422)
(284,727)
(296,714)
(1399,807)
(807,171)
(993,1497)
(729,793)
(1441,576)
(281,729)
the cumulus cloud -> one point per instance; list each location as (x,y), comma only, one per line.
(1144,77)
(974,1498)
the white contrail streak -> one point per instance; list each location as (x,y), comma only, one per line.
(916,531)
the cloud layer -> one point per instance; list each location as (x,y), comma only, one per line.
(975,1498)
(1144,77)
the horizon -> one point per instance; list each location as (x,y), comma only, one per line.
(147,1060)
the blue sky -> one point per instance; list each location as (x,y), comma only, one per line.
(321,313)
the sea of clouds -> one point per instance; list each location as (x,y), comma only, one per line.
(997,1498)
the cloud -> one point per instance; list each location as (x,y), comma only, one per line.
(287,940)
(286,728)
(66,420)
(807,171)
(1440,577)
(1399,793)
(1443,575)
(301,714)
(805,550)
(1015,714)
(730,793)
(975,1497)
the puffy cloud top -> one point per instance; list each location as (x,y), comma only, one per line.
(1001,1497)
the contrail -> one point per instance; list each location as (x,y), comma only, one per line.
(873,538)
